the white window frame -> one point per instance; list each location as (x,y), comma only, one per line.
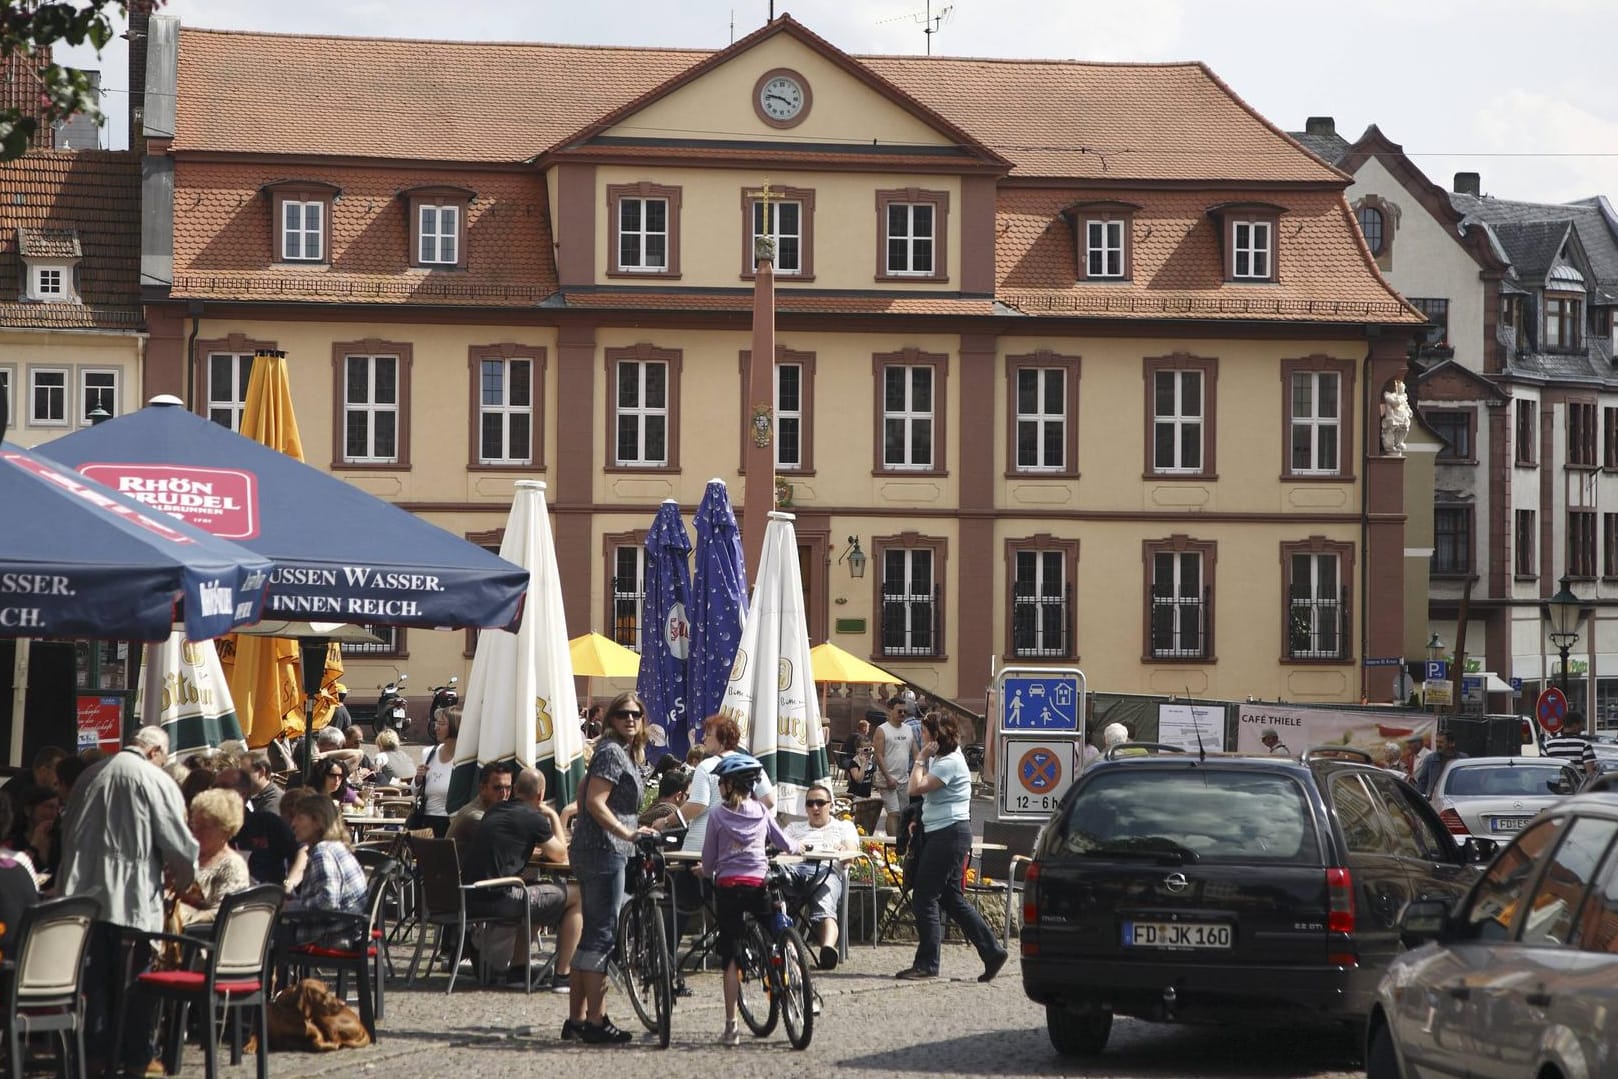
(1321,427)
(1315,604)
(83,390)
(796,414)
(1183,605)
(777,233)
(912,239)
(910,602)
(65,390)
(644,234)
(372,409)
(1180,421)
(1040,419)
(908,416)
(1103,237)
(301,230)
(440,244)
(640,412)
(1253,241)
(504,408)
(241,365)
(1039,599)
(637,552)
(50,284)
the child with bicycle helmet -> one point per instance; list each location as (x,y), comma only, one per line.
(734,859)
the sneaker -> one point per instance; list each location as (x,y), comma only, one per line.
(730,1035)
(561,983)
(605,1034)
(572,1028)
(992,965)
(828,957)
(914,975)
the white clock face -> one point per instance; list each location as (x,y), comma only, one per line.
(781,98)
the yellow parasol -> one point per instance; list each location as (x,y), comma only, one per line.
(263,671)
(595,656)
(832,664)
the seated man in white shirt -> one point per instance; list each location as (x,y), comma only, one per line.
(823,832)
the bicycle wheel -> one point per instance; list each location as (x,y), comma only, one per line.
(760,1008)
(634,963)
(658,971)
(797,991)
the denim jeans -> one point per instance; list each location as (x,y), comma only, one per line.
(601,894)
(938,885)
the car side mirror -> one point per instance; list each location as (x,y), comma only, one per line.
(1424,920)
(1478,851)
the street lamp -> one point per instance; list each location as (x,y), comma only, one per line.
(1565,612)
(1435,648)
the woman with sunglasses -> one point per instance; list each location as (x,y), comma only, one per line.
(334,782)
(603,839)
(822,832)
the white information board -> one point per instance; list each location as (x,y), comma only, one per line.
(1182,724)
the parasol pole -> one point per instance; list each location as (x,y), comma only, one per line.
(312,659)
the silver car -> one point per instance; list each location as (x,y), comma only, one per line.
(1520,979)
(1494,797)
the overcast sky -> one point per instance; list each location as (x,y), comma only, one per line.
(1525,94)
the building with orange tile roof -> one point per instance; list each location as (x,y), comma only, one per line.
(1087,356)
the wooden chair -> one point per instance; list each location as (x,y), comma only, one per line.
(41,989)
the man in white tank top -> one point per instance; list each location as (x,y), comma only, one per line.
(895,746)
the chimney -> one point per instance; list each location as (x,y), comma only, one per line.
(1320,125)
(140,21)
(1468,183)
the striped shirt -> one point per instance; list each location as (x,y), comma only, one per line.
(1571,747)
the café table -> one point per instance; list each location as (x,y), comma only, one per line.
(363,824)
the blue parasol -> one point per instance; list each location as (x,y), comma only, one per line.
(79,560)
(718,601)
(665,629)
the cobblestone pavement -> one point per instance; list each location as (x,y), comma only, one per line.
(871,1025)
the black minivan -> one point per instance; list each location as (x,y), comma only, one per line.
(1184,888)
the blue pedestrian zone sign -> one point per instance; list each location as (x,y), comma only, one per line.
(1048,703)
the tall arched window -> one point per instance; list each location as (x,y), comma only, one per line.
(1371,224)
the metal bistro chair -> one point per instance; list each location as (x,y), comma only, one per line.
(1006,868)
(41,986)
(234,975)
(442,905)
(365,960)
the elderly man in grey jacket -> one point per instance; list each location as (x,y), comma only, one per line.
(125,824)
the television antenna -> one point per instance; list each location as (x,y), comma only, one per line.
(929,22)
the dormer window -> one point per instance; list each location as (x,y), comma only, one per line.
(1103,231)
(301,220)
(1251,250)
(1563,322)
(438,226)
(1247,234)
(49,257)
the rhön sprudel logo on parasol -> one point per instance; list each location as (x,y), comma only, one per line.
(223,501)
(677,632)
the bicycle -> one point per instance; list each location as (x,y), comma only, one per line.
(643,961)
(774,963)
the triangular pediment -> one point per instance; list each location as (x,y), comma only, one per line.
(1451,381)
(782,89)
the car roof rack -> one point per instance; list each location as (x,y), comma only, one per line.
(1352,753)
(1140,749)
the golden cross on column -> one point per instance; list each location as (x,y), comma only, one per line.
(764,245)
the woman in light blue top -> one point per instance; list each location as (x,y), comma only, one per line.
(941,777)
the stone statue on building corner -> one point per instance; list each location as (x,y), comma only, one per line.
(1396,417)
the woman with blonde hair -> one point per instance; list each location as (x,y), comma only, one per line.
(603,839)
(437,763)
(216,816)
(332,880)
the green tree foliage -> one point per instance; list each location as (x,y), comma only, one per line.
(27,27)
